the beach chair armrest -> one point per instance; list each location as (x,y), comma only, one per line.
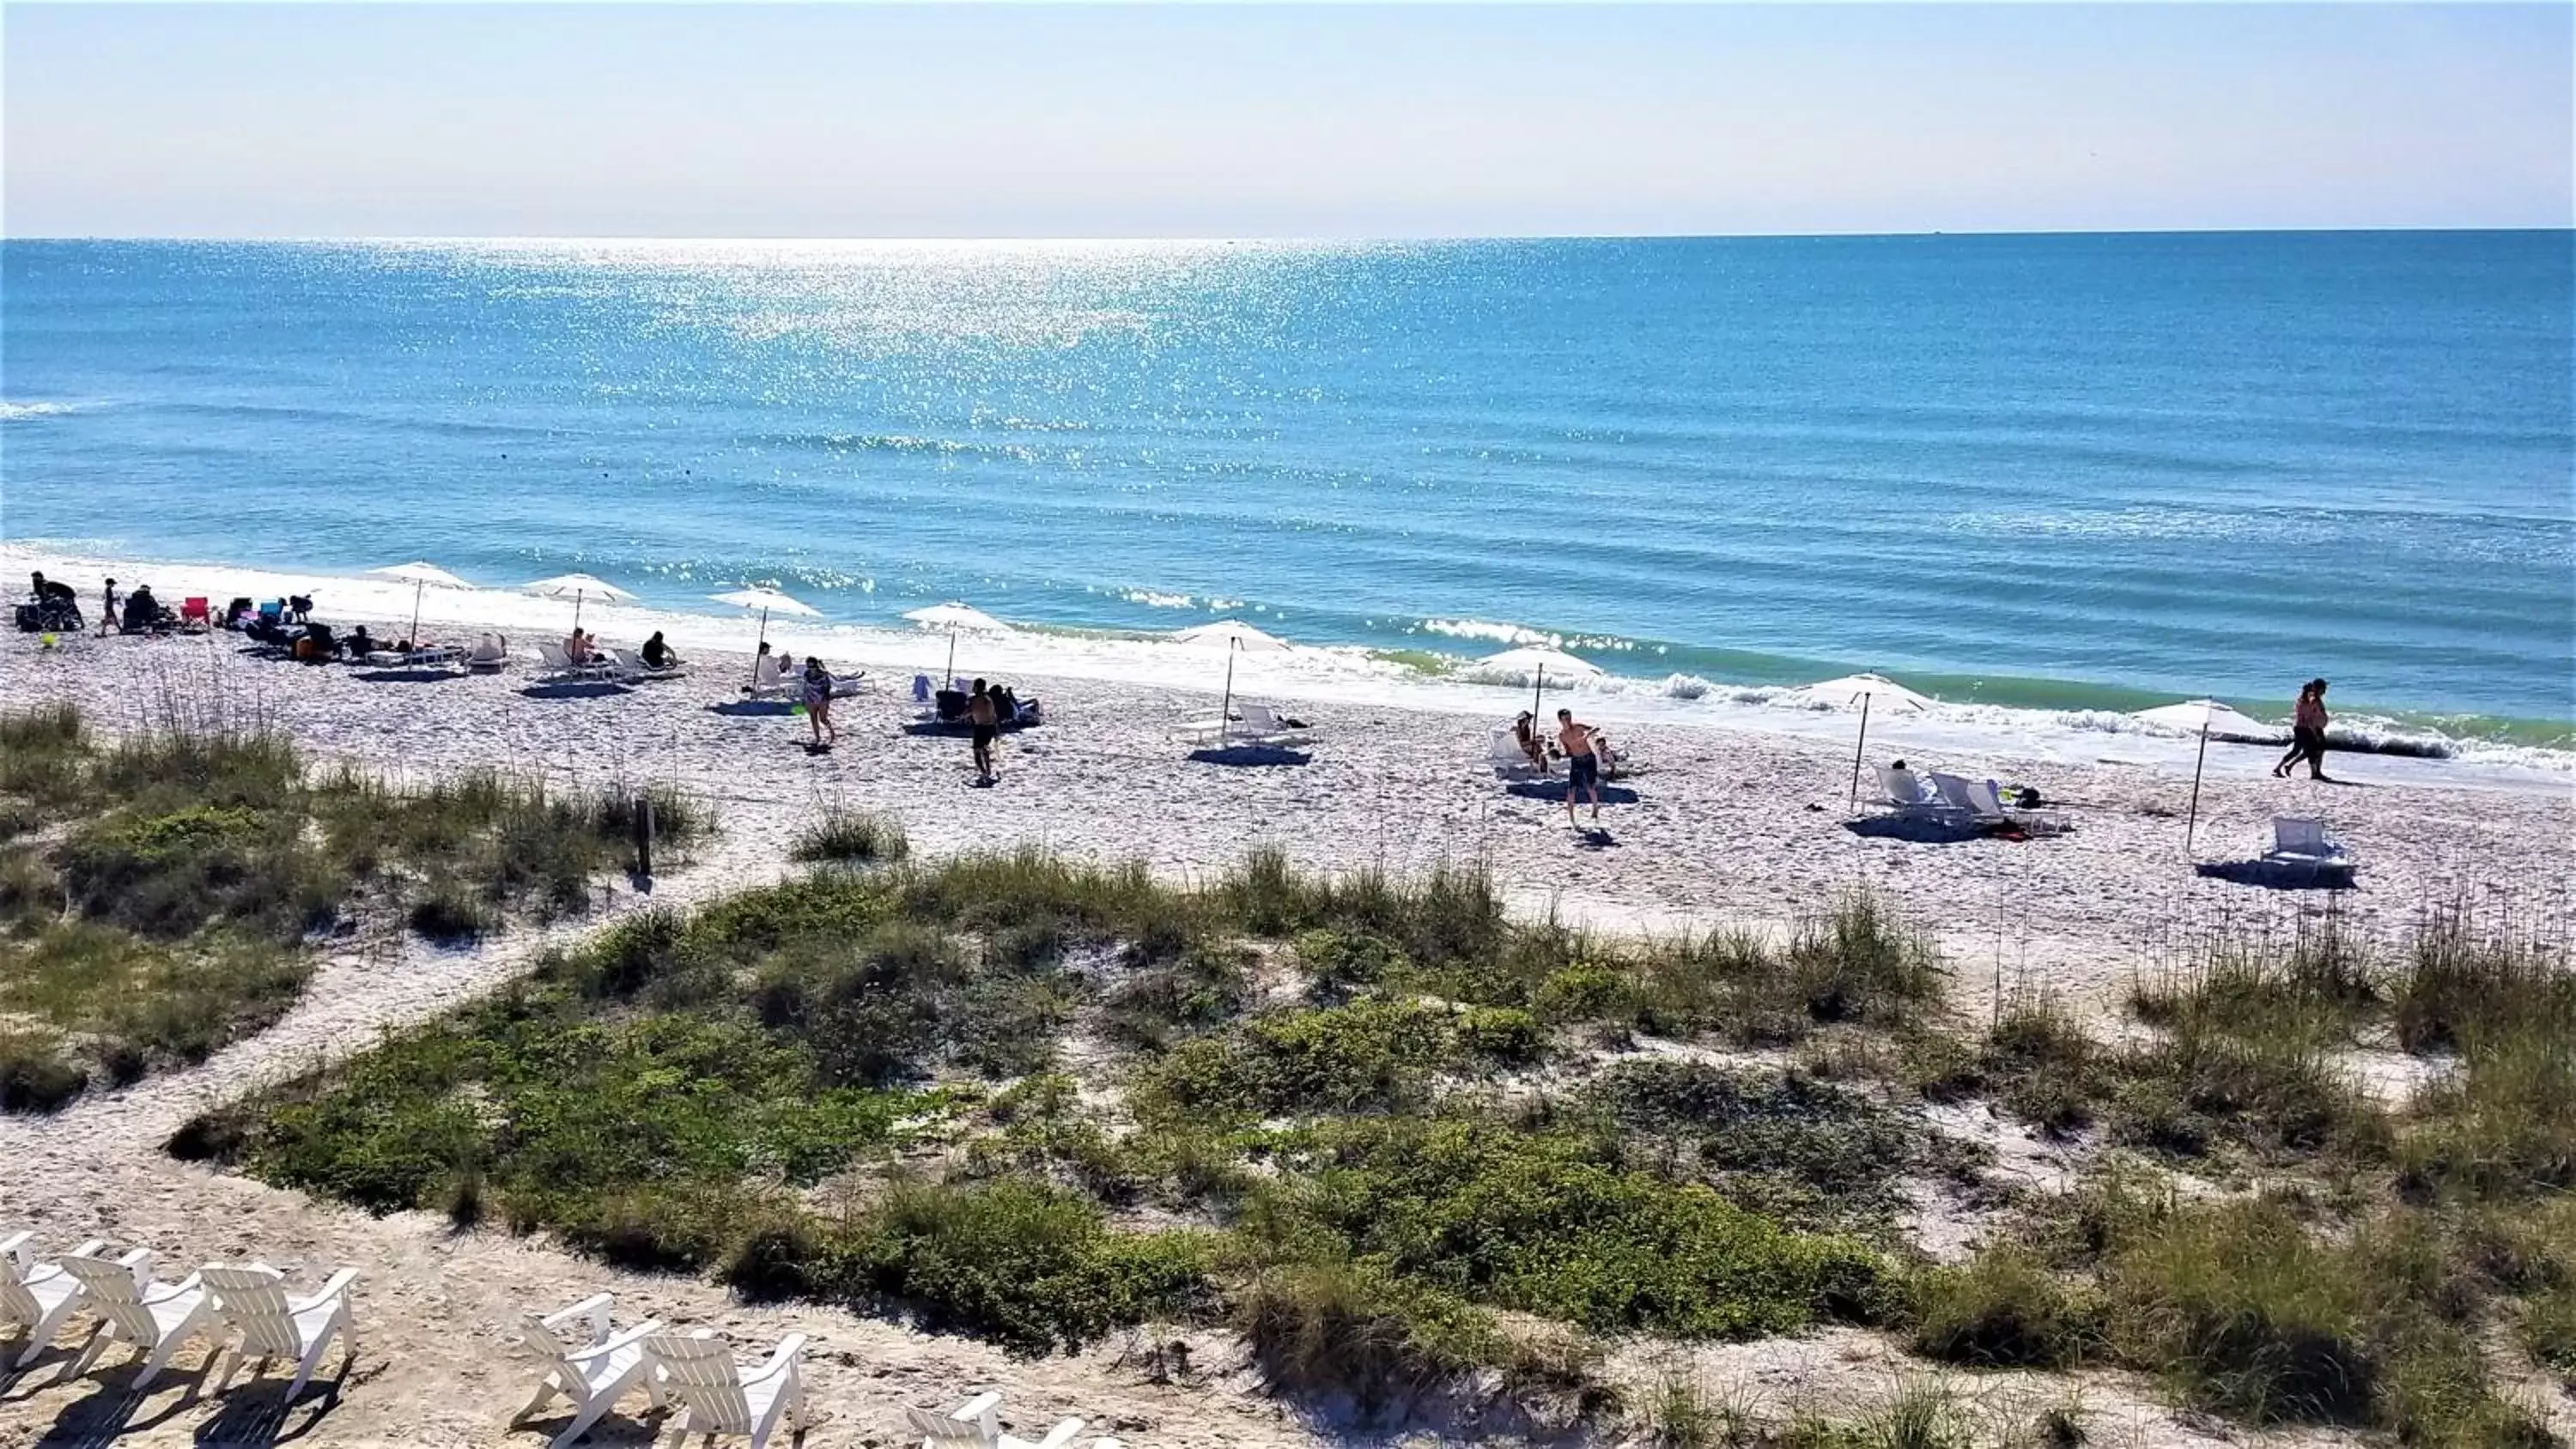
(593,1310)
(1061,1435)
(163,1292)
(781,1358)
(15,1246)
(140,1262)
(334,1287)
(628,1339)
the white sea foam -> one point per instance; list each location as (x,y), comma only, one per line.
(1154,600)
(21,411)
(1484,629)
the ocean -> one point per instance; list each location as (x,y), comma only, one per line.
(2069,473)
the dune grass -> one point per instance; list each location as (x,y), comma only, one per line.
(192,867)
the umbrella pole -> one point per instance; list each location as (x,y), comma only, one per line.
(1858,746)
(948,679)
(755,648)
(414,639)
(2198,760)
(1225,708)
(576,611)
(1534,693)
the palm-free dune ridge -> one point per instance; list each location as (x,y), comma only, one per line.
(1250,1106)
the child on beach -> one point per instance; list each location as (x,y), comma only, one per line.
(1525,734)
(109,604)
(2307,733)
(818,703)
(1582,765)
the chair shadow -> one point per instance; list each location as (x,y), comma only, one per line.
(1920,832)
(1251,756)
(576,689)
(1553,792)
(753,708)
(108,1413)
(256,1415)
(2269,876)
(407,676)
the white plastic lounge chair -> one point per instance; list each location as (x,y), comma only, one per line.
(251,1302)
(1509,761)
(1957,798)
(2302,842)
(153,1316)
(558,665)
(974,1424)
(588,1362)
(1909,796)
(37,1296)
(698,1370)
(1987,802)
(1269,727)
(630,665)
(489,655)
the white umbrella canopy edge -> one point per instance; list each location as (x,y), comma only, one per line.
(1512,666)
(1229,634)
(768,602)
(954,615)
(1847,691)
(580,588)
(2222,721)
(421,575)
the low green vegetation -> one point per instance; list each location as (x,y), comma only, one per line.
(1410,1149)
(161,894)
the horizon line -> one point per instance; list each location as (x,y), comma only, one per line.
(1308,239)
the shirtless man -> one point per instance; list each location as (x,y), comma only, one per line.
(1582,766)
(985,720)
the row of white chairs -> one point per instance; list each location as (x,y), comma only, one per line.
(243,1309)
(592,1364)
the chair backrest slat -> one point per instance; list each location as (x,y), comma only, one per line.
(111,1290)
(17,1305)
(253,1300)
(702,1372)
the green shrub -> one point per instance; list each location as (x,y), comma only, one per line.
(1318,1330)
(1371,1055)
(1582,993)
(34,1077)
(1785,1141)
(449,917)
(1501,1036)
(171,874)
(1024,1264)
(1201,989)
(868,837)
(1337,964)
(2000,1309)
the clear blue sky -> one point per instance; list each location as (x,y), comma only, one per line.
(616,120)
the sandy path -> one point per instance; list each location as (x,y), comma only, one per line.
(1718,829)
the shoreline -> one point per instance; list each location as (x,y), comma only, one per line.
(2389,751)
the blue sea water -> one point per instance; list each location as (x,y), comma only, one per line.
(2061,471)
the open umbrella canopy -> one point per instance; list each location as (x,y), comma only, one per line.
(2224,723)
(1520,666)
(1845,693)
(954,615)
(1229,634)
(768,601)
(417,572)
(577,586)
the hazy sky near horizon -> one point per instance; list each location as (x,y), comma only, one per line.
(990,120)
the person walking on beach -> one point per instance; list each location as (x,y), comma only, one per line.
(818,703)
(985,721)
(2307,733)
(109,603)
(1582,765)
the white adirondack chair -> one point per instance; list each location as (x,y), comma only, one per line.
(153,1316)
(723,1398)
(1056,1438)
(38,1296)
(588,1362)
(250,1300)
(974,1424)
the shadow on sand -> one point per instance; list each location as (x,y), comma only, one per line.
(575,689)
(408,676)
(754,708)
(1248,756)
(1553,792)
(2274,877)
(1918,830)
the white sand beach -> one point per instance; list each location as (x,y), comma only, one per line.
(1723,825)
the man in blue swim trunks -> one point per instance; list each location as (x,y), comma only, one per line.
(1582,763)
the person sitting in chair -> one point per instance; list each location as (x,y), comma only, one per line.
(1525,734)
(658,655)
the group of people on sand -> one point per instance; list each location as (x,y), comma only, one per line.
(2307,734)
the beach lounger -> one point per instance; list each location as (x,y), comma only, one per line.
(556,665)
(153,1316)
(631,666)
(1509,761)
(490,655)
(588,1362)
(1251,724)
(1908,796)
(722,1398)
(1987,801)
(2301,842)
(974,1424)
(250,1301)
(37,1296)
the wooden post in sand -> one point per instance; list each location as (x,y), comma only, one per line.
(1857,746)
(644,834)
(1537,712)
(2193,823)
(1225,708)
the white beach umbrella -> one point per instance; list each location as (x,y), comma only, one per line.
(1230,635)
(577,587)
(768,602)
(1534,663)
(420,576)
(1857,691)
(2194,715)
(954,616)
